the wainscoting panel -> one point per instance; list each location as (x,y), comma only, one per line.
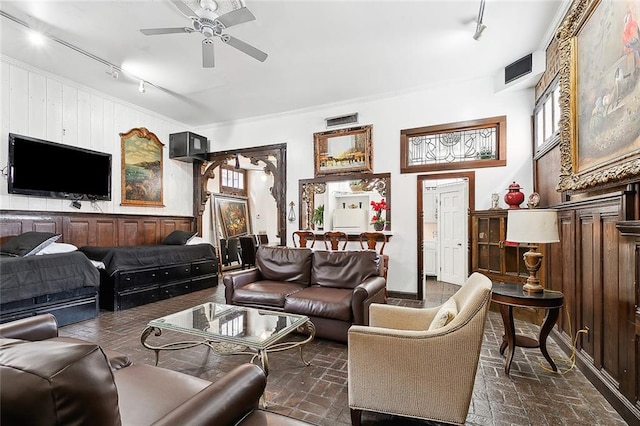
(597,270)
(89,229)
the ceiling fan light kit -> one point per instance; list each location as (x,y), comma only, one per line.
(210,25)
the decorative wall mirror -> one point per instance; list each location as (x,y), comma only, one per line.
(344,202)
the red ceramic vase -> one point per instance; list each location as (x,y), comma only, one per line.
(514,197)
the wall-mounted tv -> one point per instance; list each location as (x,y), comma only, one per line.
(47,169)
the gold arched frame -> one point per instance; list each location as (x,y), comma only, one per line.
(141,150)
(619,170)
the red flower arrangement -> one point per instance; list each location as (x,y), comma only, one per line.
(378,208)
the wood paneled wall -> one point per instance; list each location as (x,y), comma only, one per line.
(87,229)
(597,270)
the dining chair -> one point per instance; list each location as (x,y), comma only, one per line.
(334,238)
(371,239)
(303,238)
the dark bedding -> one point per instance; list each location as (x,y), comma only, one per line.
(32,276)
(137,257)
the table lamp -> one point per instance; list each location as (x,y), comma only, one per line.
(532,226)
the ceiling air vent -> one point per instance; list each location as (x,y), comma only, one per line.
(342,120)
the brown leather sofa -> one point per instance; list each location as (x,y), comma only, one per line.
(333,288)
(47,380)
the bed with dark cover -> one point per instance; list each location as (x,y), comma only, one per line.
(136,275)
(35,278)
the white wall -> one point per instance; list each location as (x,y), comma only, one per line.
(457,102)
(43,106)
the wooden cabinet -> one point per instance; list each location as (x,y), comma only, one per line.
(429,207)
(491,254)
(430,258)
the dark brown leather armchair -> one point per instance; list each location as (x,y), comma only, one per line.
(46,379)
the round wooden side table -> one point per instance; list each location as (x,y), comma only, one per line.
(508,296)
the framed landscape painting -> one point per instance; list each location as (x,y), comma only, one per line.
(141,168)
(343,151)
(233,216)
(600,94)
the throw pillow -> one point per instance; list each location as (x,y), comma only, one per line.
(195,240)
(179,238)
(29,243)
(445,315)
(55,248)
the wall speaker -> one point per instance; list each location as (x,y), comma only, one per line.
(187,146)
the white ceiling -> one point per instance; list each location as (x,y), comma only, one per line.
(320,51)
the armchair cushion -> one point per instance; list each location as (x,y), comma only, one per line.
(56,382)
(445,314)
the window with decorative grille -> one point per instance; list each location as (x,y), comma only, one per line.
(233,181)
(462,145)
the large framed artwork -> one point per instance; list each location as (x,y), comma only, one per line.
(600,94)
(141,168)
(233,215)
(343,151)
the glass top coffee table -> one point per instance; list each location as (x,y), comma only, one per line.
(228,329)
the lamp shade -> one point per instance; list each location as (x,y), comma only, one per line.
(532,226)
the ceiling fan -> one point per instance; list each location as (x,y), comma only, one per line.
(206,22)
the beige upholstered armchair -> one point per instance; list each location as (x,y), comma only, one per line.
(407,363)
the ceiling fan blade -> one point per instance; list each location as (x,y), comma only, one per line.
(207,53)
(235,17)
(186,10)
(244,47)
(160,31)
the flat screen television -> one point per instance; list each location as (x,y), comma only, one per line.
(47,169)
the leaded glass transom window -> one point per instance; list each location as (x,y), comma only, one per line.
(478,143)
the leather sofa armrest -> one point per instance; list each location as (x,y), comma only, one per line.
(371,290)
(224,402)
(238,279)
(39,327)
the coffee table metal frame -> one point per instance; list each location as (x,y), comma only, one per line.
(232,345)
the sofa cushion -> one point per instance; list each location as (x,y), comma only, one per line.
(56,382)
(343,269)
(325,302)
(265,293)
(284,264)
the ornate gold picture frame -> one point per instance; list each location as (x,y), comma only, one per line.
(599,95)
(343,151)
(233,215)
(141,168)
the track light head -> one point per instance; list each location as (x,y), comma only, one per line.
(141,87)
(479,25)
(479,29)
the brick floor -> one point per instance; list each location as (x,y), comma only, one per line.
(317,394)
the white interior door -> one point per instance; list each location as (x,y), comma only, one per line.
(452,232)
